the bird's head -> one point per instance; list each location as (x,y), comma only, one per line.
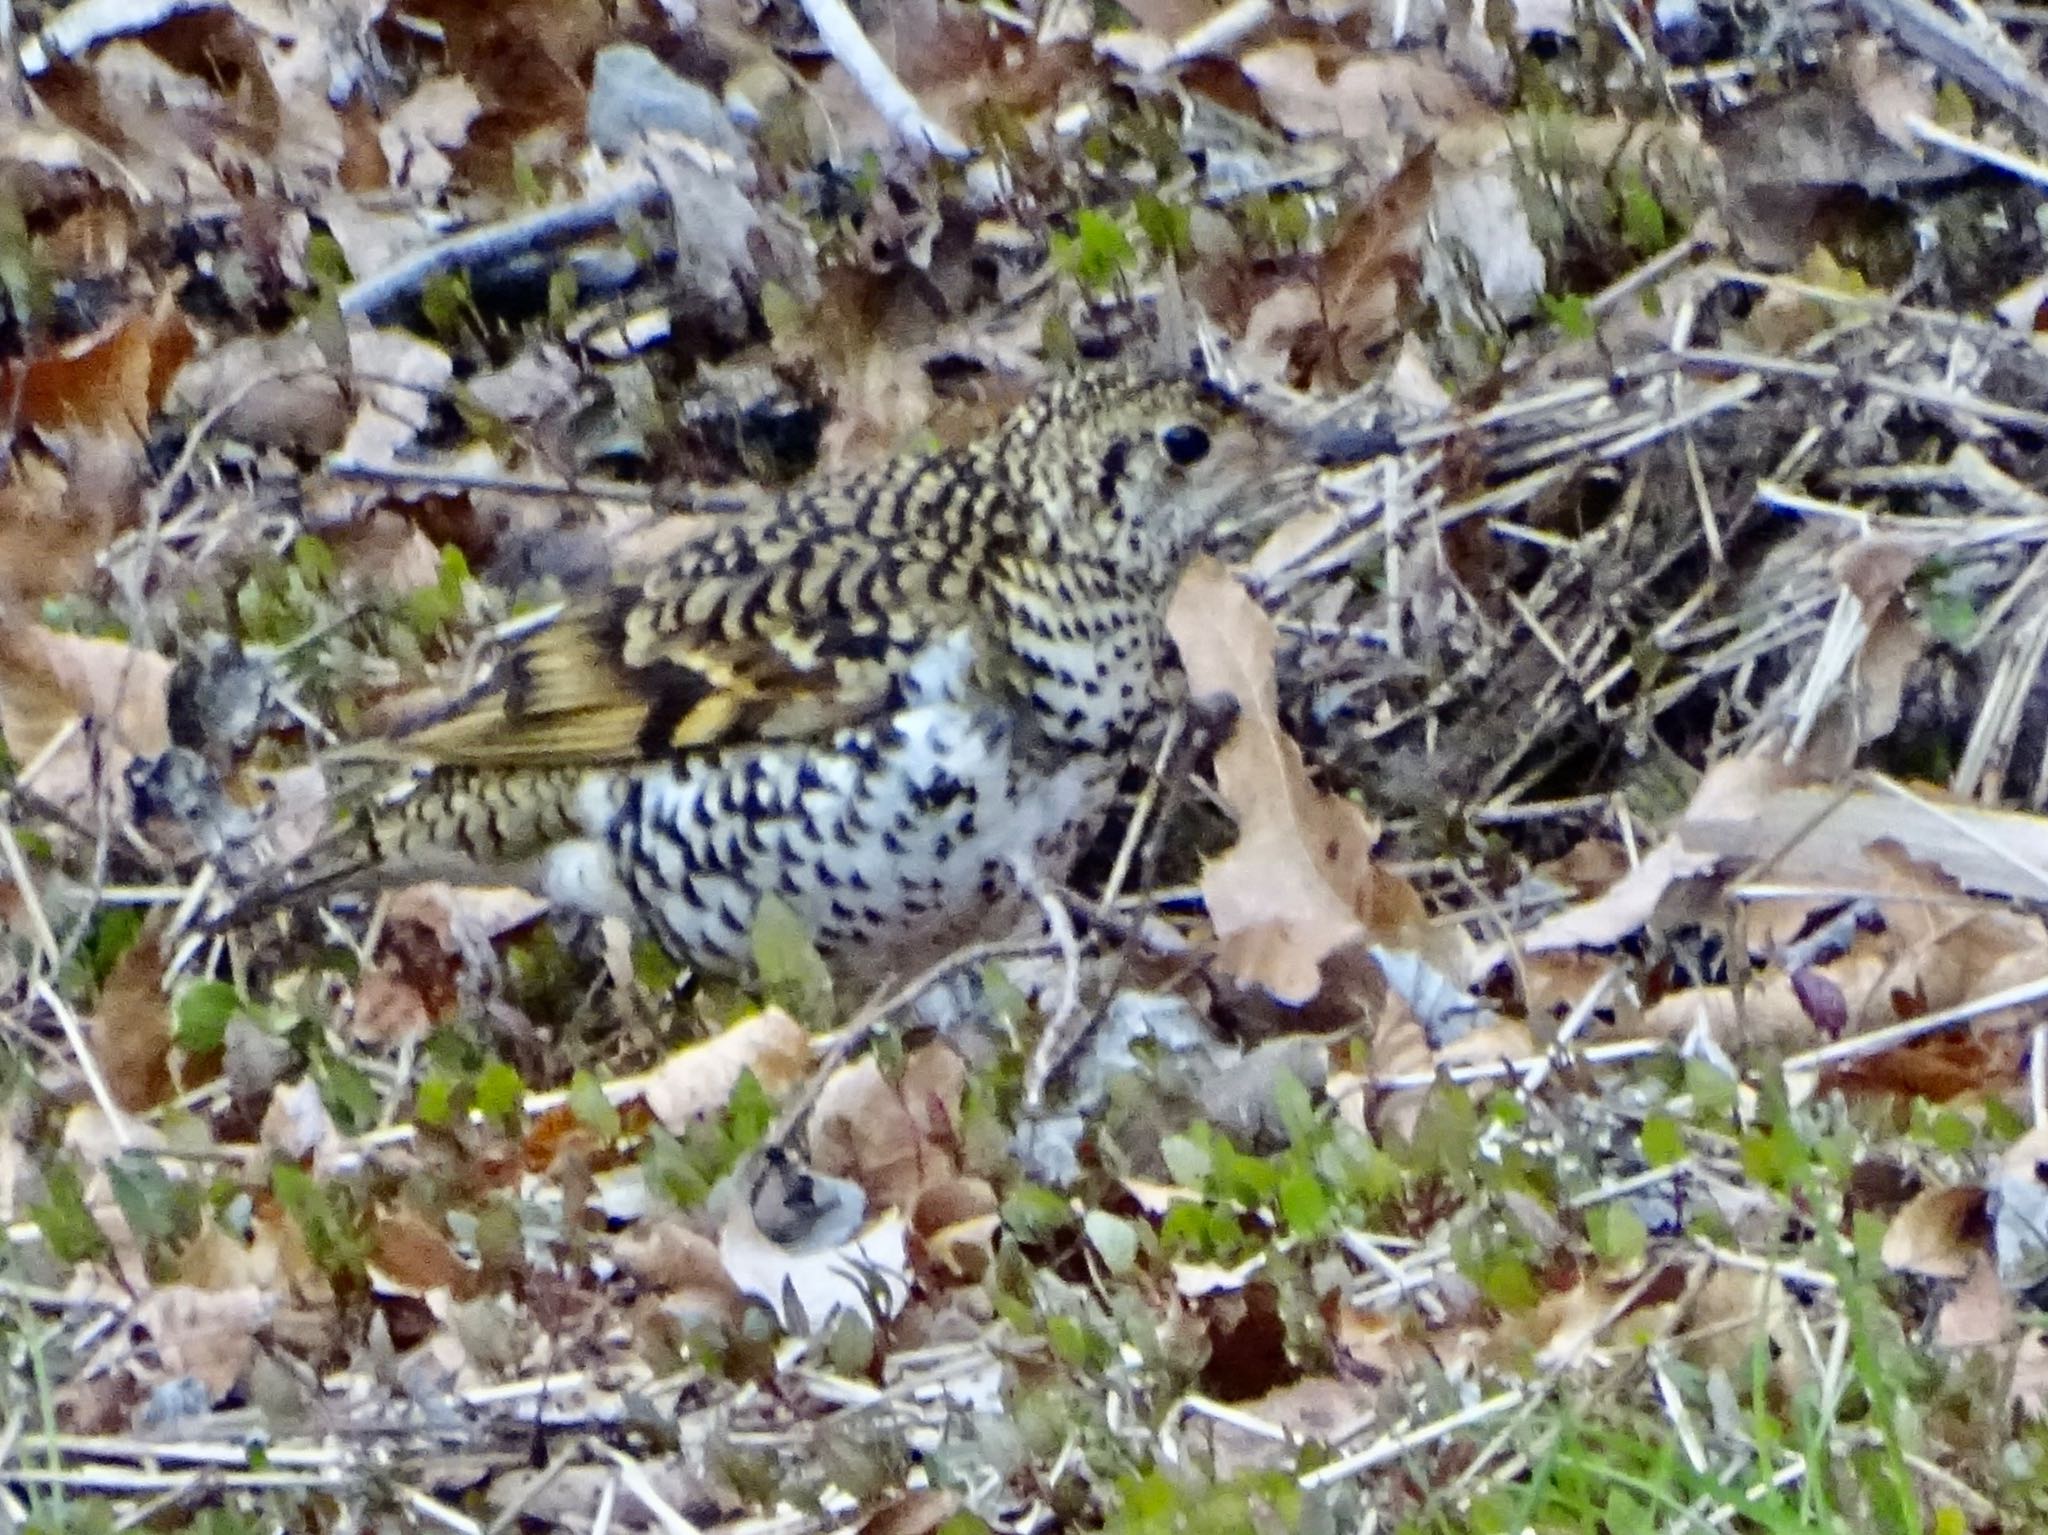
(1134,466)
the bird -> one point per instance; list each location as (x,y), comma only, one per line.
(889,698)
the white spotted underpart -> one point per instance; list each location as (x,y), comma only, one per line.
(898,838)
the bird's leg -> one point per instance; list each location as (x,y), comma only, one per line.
(1058,1038)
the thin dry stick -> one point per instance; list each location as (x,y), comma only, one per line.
(845,41)
(1394,1446)
(88,1067)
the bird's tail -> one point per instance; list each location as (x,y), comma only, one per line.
(477,826)
(475,823)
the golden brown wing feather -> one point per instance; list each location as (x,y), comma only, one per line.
(789,627)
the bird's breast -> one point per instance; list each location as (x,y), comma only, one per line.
(890,840)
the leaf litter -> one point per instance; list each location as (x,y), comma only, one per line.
(1581,1009)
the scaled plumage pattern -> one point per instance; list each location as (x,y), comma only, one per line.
(876,698)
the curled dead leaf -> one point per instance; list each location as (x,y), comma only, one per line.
(892,1138)
(1300,883)
(209,1335)
(1939,1233)
(699,1079)
(112,380)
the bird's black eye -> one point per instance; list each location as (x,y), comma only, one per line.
(1185,444)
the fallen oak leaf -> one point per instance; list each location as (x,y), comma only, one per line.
(1300,883)
(49,682)
(113,379)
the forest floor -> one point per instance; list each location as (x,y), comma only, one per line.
(1566,1049)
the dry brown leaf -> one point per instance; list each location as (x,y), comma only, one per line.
(58,512)
(389,1009)
(683,1264)
(957,1222)
(274,391)
(1980,1313)
(892,1138)
(415,1253)
(130,1027)
(110,381)
(209,1335)
(1380,102)
(50,681)
(699,1079)
(914,1513)
(1317,1411)
(1939,1233)
(1299,884)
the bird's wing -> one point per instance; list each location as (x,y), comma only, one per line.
(714,651)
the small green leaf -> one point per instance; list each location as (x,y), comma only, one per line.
(1304,1204)
(1035,1213)
(1097,254)
(347,1091)
(1187,1160)
(653,968)
(202,1013)
(793,974)
(148,1199)
(446,304)
(499,1092)
(1952,1132)
(1506,1281)
(563,290)
(749,1113)
(63,1218)
(1663,1141)
(1950,616)
(1617,1232)
(1114,1238)
(1644,227)
(1167,227)
(589,1104)
(321,1212)
(783,313)
(1069,1339)
(325,263)
(1953,108)
(1570,315)
(313,557)
(435,1099)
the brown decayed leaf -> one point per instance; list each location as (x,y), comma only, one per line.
(1980,1313)
(1377,101)
(272,390)
(699,1079)
(130,1027)
(49,681)
(207,1334)
(1300,883)
(915,1513)
(58,511)
(892,1138)
(957,1222)
(111,380)
(1940,1233)
(414,1252)
(388,1009)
